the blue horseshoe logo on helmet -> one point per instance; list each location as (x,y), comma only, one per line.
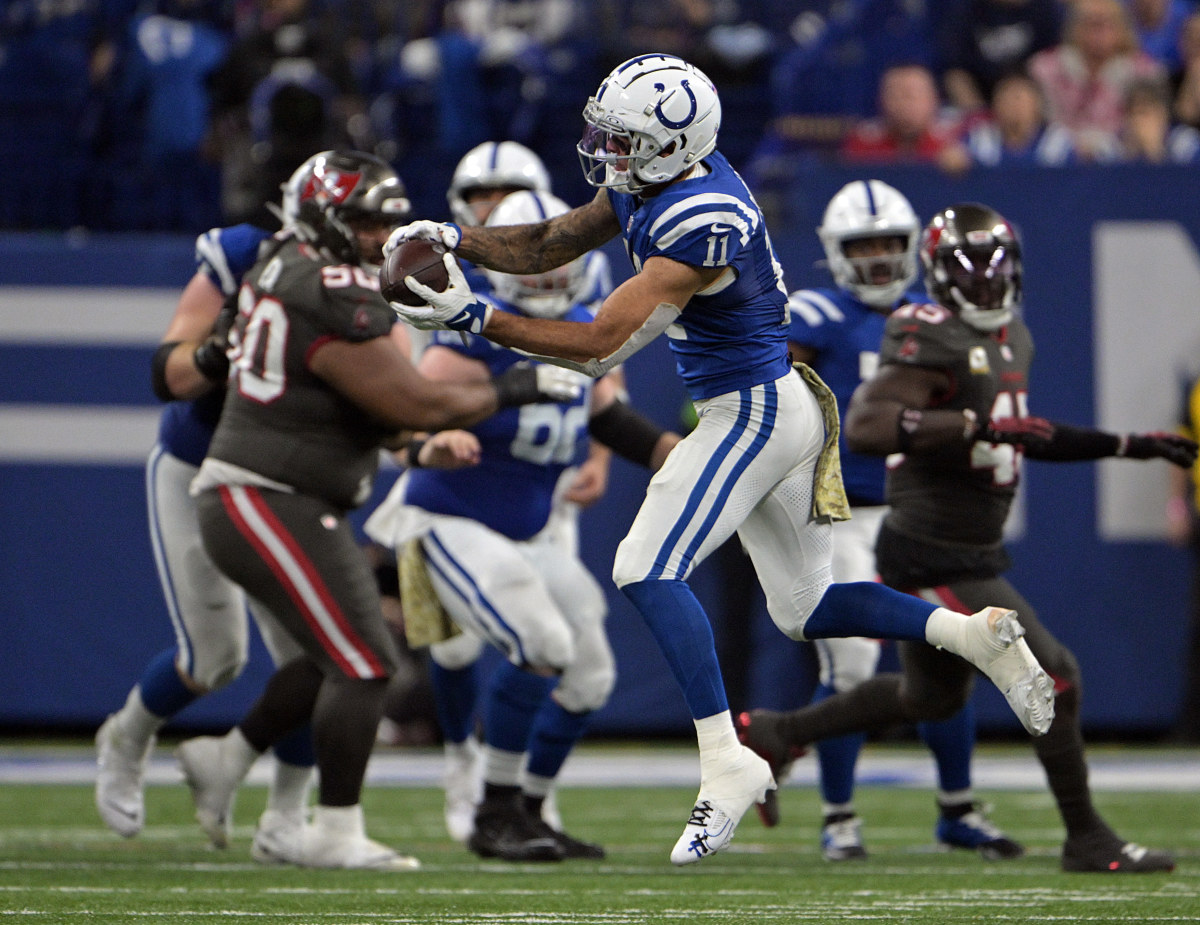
(687,120)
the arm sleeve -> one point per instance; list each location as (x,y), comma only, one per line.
(1076,444)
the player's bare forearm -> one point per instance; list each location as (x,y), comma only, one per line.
(569,340)
(542,246)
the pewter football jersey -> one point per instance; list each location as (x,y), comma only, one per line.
(281,420)
(734,336)
(962,493)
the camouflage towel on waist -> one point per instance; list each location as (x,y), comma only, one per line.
(425,620)
(829,495)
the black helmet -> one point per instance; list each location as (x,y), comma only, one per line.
(972,260)
(332,189)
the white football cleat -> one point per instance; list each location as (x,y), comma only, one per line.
(719,808)
(120,767)
(279,837)
(462,779)
(993,644)
(214,782)
(337,839)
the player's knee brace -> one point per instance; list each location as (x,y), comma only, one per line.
(214,668)
(551,646)
(586,685)
(457,652)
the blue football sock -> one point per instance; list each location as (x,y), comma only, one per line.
(514,698)
(455,691)
(951,741)
(555,732)
(163,691)
(297,747)
(685,637)
(867,608)
(837,758)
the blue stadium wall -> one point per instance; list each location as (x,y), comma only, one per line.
(1112,284)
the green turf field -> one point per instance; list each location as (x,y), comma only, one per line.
(58,864)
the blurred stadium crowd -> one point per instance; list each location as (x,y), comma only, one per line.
(177,115)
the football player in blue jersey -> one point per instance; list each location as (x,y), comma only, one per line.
(759,461)
(483,177)
(869,232)
(502,557)
(207,610)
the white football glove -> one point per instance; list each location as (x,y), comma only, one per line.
(455,308)
(444,234)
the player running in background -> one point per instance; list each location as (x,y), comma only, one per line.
(869,232)
(503,558)
(483,177)
(207,610)
(317,385)
(757,462)
(950,396)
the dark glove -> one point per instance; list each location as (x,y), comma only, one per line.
(1028,432)
(525,384)
(1173,448)
(210,358)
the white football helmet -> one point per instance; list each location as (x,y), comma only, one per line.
(494,165)
(654,117)
(870,209)
(541,295)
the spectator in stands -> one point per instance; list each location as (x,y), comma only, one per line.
(1158,24)
(1017,130)
(285,92)
(1148,135)
(829,75)
(1185,79)
(165,180)
(1086,77)
(55,60)
(911,126)
(981,41)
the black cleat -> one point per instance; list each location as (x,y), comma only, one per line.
(1113,856)
(572,848)
(503,830)
(759,731)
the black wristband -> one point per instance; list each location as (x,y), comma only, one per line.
(413,451)
(626,432)
(210,358)
(158,370)
(517,385)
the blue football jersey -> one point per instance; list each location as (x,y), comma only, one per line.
(224,255)
(846,333)
(524,451)
(733,335)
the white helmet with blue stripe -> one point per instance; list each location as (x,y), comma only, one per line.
(494,165)
(871,209)
(541,295)
(653,118)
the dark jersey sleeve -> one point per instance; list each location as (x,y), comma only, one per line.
(352,309)
(922,335)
